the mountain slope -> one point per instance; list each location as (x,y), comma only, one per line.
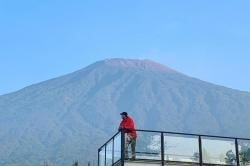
(57,120)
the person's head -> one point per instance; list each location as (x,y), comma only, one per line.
(124,115)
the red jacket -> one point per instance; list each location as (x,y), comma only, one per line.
(128,125)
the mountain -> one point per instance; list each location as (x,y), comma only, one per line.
(69,117)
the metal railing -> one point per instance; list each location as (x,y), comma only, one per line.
(180,148)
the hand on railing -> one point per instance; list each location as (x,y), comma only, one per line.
(126,130)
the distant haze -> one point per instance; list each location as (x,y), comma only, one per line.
(69,117)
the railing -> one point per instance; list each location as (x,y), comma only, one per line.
(180,148)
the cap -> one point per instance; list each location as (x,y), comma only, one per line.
(124,113)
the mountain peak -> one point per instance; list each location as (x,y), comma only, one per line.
(135,63)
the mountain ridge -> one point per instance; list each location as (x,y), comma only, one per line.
(141,64)
(113,62)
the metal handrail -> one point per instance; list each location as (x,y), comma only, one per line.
(162,133)
(178,133)
(192,134)
(109,140)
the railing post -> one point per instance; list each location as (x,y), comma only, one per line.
(122,147)
(98,157)
(200,151)
(113,151)
(237,152)
(162,148)
(105,155)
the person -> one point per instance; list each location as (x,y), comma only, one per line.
(128,126)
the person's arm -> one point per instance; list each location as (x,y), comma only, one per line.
(125,126)
(130,126)
(120,127)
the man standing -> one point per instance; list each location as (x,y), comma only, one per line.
(127,125)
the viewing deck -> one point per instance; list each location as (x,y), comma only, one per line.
(159,148)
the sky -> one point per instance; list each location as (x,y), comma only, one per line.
(207,39)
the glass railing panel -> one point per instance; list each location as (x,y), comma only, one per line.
(218,151)
(102,157)
(148,145)
(181,148)
(117,148)
(109,153)
(244,152)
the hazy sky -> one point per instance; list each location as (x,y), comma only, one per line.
(208,39)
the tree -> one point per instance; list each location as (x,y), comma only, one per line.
(244,153)
(75,163)
(46,163)
(230,157)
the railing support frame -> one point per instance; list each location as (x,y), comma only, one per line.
(122,147)
(162,148)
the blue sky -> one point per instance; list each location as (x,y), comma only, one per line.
(207,39)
